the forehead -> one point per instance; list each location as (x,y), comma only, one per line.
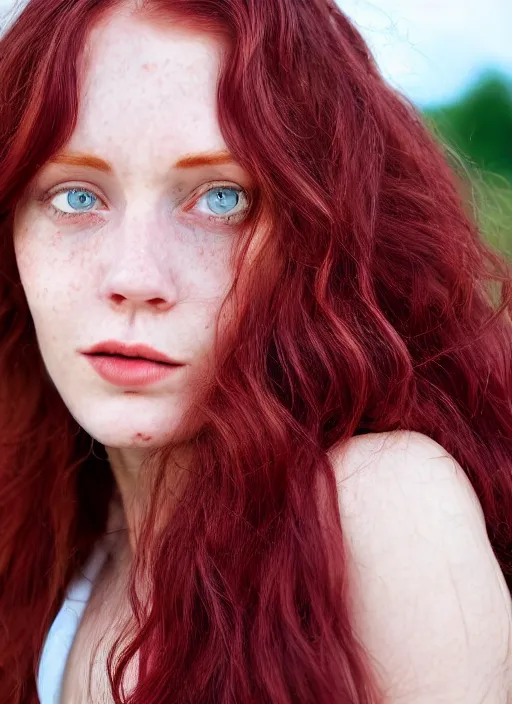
(148,91)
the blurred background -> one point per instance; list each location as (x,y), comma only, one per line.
(453,59)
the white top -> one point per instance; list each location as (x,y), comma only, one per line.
(64,628)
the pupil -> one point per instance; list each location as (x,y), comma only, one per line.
(223,200)
(80,198)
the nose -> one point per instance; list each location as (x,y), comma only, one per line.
(136,276)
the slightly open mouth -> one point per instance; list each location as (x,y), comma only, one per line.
(129,357)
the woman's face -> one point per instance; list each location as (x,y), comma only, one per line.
(117,241)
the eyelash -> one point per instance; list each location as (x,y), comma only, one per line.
(47,197)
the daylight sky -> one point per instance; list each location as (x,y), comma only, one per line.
(430,49)
(433,49)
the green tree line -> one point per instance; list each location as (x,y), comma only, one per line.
(477,132)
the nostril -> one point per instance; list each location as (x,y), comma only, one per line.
(117,298)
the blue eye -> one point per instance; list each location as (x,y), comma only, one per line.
(74,200)
(221,203)
(222,200)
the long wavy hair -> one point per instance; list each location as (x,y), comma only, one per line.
(373,304)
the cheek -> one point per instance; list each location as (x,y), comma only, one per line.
(25,251)
(34,266)
(47,281)
(209,264)
(204,280)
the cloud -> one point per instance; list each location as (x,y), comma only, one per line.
(432,49)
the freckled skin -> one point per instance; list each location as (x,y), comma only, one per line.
(137,268)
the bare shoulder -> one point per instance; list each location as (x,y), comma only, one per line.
(428,598)
(405,470)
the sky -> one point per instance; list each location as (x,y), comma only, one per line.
(430,49)
(433,50)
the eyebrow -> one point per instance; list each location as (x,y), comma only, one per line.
(189,161)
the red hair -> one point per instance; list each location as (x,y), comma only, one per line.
(374,304)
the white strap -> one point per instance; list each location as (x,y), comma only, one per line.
(64,628)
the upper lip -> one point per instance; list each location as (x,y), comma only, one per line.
(130,350)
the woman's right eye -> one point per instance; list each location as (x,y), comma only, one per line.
(70,202)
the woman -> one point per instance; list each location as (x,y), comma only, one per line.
(256,402)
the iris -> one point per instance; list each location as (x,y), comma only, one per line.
(222,200)
(81,200)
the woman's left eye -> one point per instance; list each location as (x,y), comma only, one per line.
(221,202)
(226,202)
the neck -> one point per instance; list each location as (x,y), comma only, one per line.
(132,493)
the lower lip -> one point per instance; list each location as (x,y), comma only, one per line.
(123,371)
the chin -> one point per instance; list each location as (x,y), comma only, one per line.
(129,435)
(136,441)
(130,423)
